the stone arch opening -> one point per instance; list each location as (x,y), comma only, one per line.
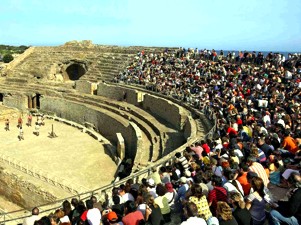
(36,101)
(75,71)
(1,97)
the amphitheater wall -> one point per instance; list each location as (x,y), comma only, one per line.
(165,109)
(190,128)
(21,192)
(104,122)
(118,93)
(16,100)
(84,86)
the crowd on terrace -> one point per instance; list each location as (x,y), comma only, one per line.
(227,180)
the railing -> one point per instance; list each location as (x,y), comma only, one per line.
(17,216)
(41,175)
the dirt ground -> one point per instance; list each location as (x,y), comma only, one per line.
(75,158)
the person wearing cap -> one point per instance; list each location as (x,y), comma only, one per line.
(152,187)
(171,195)
(112,219)
(182,191)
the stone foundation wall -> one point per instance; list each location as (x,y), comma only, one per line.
(118,93)
(21,192)
(165,109)
(16,100)
(190,128)
(105,122)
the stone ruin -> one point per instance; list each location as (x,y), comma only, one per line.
(73,81)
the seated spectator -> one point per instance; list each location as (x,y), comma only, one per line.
(218,193)
(241,214)
(224,214)
(242,178)
(255,202)
(289,211)
(258,169)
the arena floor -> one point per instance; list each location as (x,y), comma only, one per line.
(73,157)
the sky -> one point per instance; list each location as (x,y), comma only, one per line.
(260,25)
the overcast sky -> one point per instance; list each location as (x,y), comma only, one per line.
(266,25)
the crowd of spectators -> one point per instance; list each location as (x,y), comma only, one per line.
(227,180)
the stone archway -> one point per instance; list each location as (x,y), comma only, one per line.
(75,71)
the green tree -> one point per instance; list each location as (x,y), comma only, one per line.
(8,58)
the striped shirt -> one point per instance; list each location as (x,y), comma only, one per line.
(258,168)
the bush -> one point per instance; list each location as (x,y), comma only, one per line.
(8,58)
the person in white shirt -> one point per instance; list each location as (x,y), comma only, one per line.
(34,217)
(191,213)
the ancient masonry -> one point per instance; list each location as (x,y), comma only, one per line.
(73,82)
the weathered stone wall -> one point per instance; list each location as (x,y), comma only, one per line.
(190,128)
(16,100)
(84,86)
(165,109)
(22,192)
(105,122)
(118,93)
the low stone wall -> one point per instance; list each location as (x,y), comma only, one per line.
(16,100)
(105,122)
(165,109)
(22,192)
(118,93)
(190,127)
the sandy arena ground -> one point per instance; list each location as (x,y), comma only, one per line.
(73,156)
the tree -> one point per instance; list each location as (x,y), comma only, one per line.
(8,58)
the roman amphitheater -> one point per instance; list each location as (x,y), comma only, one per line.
(98,124)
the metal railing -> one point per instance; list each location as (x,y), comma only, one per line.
(17,216)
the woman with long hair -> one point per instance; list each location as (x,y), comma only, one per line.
(224,214)
(255,202)
(153,213)
(241,214)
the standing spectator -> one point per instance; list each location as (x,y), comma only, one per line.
(29,120)
(20,121)
(200,201)
(162,202)
(132,216)
(191,215)
(31,219)
(153,212)
(7,124)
